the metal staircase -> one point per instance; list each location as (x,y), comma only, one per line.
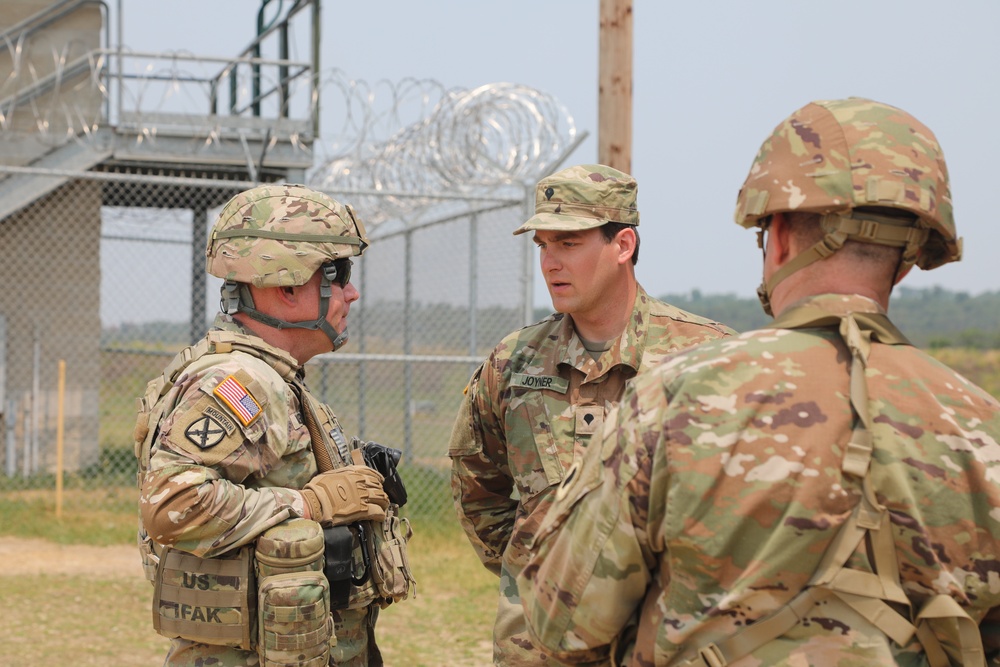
(65,112)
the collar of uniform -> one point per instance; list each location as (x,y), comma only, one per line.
(839,304)
(625,350)
(225,322)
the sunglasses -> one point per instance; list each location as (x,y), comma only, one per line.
(338,271)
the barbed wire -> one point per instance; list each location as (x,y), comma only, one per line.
(397,149)
(417,138)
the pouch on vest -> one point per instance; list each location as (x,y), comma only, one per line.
(293,546)
(390,567)
(296,628)
(293,602)
(205,600)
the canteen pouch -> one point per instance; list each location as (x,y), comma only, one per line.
(205,600)
(295,625)
(295,545)
(390,566)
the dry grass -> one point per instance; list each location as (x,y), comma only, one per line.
(92,606)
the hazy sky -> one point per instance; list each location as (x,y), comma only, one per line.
(711,80)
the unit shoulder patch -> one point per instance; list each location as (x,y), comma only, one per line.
(206,432)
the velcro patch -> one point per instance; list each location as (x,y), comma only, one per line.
(550,382)
(207,437)
(221,417)
(205,432)
(234,395)
(589,418)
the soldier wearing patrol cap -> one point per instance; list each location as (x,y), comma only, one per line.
(814,492)
(233,446)
(536,403)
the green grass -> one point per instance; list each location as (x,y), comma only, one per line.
(450,620)
(101,517)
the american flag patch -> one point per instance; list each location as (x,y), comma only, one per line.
(233,394)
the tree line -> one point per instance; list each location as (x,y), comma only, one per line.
(931,317)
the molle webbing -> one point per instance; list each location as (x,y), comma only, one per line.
(206,600)
(867,530)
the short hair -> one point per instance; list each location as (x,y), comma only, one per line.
(807,230)
(611,229)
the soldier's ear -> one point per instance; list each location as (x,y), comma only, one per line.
(780,240)
(626,240)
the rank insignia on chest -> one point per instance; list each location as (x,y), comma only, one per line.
(589,419)
(205,432)
(235,396)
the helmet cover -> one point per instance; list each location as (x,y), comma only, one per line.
(278,235)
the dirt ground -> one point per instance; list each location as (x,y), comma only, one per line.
(89,606)
(28,556)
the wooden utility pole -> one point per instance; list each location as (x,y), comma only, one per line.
(614,98)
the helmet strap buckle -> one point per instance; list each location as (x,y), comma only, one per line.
(229,301)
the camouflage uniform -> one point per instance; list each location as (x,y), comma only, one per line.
(719,488)
(815,492)
(222,438)
(208,493)
(531,409)
(534,406)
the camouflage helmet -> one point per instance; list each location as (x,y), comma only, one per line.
(278,235)
(839,155)
(583,197)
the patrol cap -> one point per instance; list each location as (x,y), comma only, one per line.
(583,197)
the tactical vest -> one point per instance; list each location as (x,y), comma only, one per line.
(234,573)
(946,631)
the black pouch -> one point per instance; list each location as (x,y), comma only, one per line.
(338,563)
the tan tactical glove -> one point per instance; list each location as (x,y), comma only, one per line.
(348,494)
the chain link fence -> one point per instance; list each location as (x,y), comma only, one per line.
(110,284)
(113,166)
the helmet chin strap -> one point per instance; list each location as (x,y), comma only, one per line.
(765,298)
(236,297)
(853,226)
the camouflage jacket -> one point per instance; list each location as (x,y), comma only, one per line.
(717,488)
(219,476)
(228,458)
(531,410)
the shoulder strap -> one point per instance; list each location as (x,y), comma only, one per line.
(868,528)
(328,454)
(222,342)
(150,406)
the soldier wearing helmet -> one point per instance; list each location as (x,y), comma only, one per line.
(814,492)
(232,446)
(534,405)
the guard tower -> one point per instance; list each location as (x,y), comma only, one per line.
(86,123)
